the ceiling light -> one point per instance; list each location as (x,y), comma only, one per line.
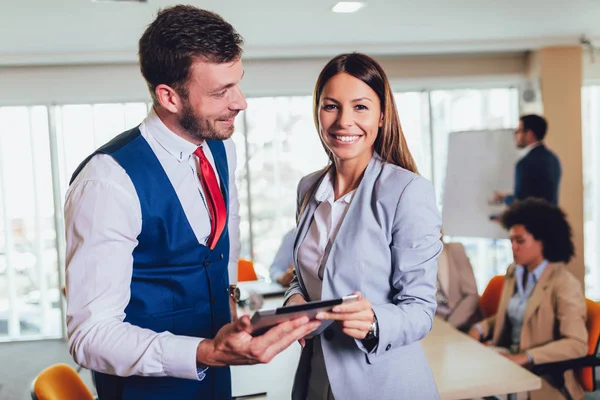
(348,6)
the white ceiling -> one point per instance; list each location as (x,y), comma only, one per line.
(80,31)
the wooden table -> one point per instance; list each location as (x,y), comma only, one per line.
(462,368)
(465,369)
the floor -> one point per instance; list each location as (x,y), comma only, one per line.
(21,362)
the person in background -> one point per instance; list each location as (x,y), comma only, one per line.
(152,222)
(541,317)
(538,172)
(282,267)
(457,296)
(367,224)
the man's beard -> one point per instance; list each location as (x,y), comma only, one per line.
(200,128)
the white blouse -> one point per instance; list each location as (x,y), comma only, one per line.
(326,221)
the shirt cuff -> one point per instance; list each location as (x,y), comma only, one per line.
(179,357)
(233,271)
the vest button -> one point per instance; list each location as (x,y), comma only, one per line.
(207,264)
(221,256)
(329,334)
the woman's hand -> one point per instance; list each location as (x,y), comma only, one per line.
(521,358)
(354,318)
(297,299)
(474,333)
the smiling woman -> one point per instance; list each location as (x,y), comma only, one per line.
(381,216)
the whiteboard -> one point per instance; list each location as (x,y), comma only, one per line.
(479,162)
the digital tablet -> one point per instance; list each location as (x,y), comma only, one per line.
(263,320)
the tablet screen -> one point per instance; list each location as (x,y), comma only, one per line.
(263,320)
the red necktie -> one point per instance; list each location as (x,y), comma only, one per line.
(214,198)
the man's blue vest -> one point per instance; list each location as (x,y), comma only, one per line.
(178,285)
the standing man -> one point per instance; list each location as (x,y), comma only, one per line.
(537,174)
(149,221)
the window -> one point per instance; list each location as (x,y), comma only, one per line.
(82,128)
(278,137)
(29,295)
(277,144)
(413,109)
(29,271)
(591,188)
(471,109)
(281,145)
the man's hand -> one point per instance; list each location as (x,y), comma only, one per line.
(354,318)
(234,345)
(474,333)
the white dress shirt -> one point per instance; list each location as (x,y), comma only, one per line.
(326,221)
(525,150)
(102,222)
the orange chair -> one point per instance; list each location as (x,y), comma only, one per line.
(584,367)
(490,298)
(60,382)
(246,270)
(587,375)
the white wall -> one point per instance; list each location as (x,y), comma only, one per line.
(123,82)
(71,84)
(591,67)
(68,84)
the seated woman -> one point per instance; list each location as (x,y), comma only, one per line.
(457,297)
(542,312)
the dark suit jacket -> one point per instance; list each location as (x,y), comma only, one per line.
(538,175)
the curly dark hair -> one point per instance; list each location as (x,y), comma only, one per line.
(178,36)
(546,223)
